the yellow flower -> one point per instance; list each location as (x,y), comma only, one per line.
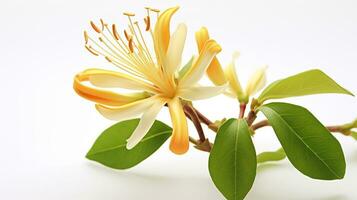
(219,76)
(153,76)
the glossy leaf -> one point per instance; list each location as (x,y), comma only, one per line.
(232,161)
(309,146)
(306,83)
(110,147)
(269,156)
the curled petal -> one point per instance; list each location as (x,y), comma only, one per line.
(110,79)
(127,111)
(198,93)
(103,96)
(214,71)
(257,81)
(162,33)
(195,73)
(179,141)
(146,121)
(174,52)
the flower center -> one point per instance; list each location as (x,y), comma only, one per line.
(129,51)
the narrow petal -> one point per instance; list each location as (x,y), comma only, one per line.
(257,81)
(230,93)
(195,73)
(179,141)
(174,52)
(232,77)
(197,93)
(103,96)
(146,121)
(214,71)
(162,33)
(109,79)
(127,111)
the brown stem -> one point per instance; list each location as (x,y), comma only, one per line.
(260,124)
(251,117)
(336,129)
(193,140)
(189,110)
(205,120)
(242,108)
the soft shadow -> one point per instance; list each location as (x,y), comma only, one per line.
(139,185)
(353,157)
(335,197)
(269,166)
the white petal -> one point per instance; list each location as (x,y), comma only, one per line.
(198,69)
(197,93)
(145,124)
(176,45)
(127,111)
(231,75)
(110,79)
(256,81)
(230,93)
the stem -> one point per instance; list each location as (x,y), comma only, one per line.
(189,110)
(193,140)
(242,108)
(260,124)
(251,117)
(205,120)
(336,129)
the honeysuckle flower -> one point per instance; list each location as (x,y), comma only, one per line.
(152,74)
(219,76)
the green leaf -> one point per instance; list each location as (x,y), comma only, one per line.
(185,68)
(306,83)
(271,156)
(110,147)
(309,146)
(232,161)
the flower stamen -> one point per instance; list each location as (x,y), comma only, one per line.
(95,27)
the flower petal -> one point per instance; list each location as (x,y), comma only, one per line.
(197,93)
(232,77)
(162,33)
(214,71)
(256,81)
(109,79)
(127,111)
(179,141)
(145,124)
(103,96)
(174,52)
(195,73)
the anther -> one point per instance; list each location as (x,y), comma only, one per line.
(155,10)
(103,24)
(85,37)
(108,59)
(126,35)
(129,14)
(115,32)
(95,27)
(89,48)
(131,47)
(147,22)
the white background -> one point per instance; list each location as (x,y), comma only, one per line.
(46,128)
